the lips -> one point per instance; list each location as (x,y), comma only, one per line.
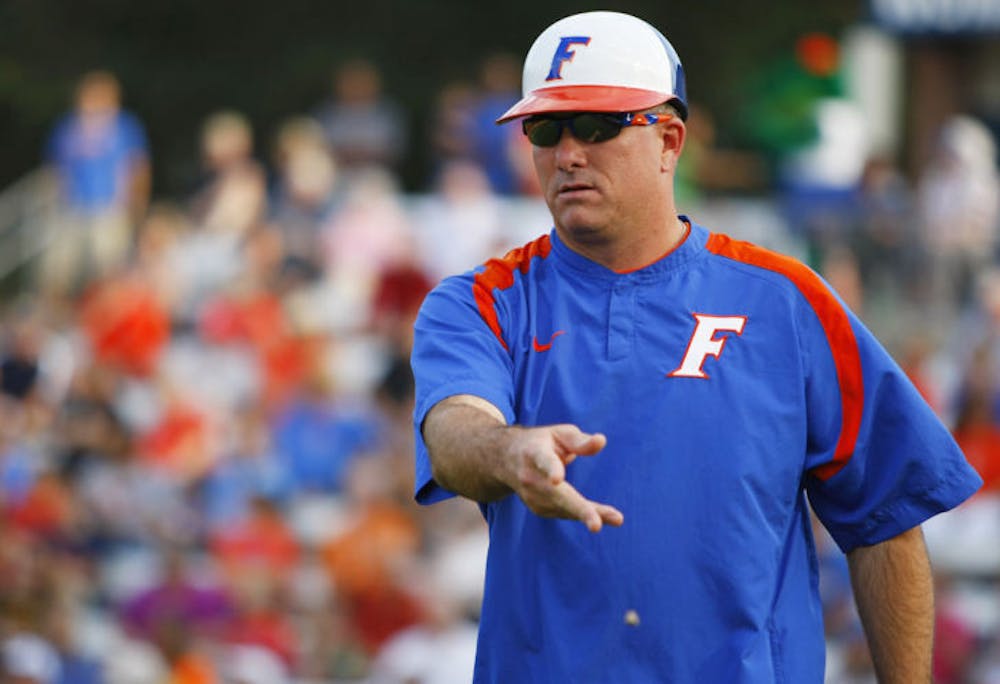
(570,188)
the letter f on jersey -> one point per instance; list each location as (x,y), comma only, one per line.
(704,343)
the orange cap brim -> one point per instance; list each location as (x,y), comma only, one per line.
(585,98)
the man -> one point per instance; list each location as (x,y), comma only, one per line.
(100,155)
(707,386)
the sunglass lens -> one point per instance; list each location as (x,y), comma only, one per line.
(591,128)
(595,127)
(543,132)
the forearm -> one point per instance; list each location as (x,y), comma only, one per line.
(467,441)
(473,452)
(139,190)
(894,591)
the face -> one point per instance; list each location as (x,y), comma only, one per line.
(598,191)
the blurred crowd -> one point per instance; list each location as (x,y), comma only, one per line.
(205,415)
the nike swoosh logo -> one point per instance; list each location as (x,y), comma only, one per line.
(538,347)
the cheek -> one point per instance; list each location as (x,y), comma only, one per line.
(637,180)
(541,159)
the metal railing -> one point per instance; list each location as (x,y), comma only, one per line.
(26,209)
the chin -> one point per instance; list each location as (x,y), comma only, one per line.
(585,233)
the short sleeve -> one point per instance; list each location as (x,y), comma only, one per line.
(454,352)
(879,461)
(134,138)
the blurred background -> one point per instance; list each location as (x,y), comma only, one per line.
(217,222)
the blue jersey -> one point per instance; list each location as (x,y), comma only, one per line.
(95,163)
(732,385)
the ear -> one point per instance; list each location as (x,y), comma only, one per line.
(672,135)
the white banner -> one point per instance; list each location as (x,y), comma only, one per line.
(938,16)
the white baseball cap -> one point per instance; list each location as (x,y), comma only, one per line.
(599,62)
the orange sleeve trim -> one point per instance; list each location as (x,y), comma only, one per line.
(499,274)
(837,327)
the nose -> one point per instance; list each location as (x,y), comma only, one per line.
(569,152)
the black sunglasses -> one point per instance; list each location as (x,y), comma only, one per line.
(591,127)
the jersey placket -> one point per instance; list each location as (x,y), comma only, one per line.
(621,318)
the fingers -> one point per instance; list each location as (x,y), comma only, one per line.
(592,444)
(592,514)
(574,442)
(542,457)
(564,501)
(610,515)
(579,508)
(550,467)
(547,450)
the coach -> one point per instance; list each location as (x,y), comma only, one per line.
(681,391)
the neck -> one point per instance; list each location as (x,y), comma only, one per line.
(629,252)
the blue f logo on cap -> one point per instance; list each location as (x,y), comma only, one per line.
(564,54)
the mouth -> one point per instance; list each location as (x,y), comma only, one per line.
(569,190)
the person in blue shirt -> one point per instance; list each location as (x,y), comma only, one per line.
(99,155)
(688,396)
(317,438)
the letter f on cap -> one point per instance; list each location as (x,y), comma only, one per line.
(564,54)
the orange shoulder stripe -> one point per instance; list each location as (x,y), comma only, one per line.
(836,326)
(499,273)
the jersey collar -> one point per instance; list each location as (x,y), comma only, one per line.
(690,247)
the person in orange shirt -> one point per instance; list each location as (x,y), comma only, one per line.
(263,540)
(978,434)
(369,560)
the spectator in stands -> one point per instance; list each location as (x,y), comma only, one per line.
(251,312)
(159,258)
(29,659)
(460,223)
(19,351)
(262,617)
(248,469)
(76,665)
(305,191)
(363,126)
(369,233)
(180,445)
(176,598)
(262,541)
(130,504)
(398,294)
(955,638)
(887,242)
(977,425)
(499,80)
(126,322)
(452,133)
(959,208)
(20,460)
(254,665)
(319,435)
(441,649)
(370,561)
(233,198)
(100,156)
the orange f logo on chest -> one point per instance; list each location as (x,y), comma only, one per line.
(704,343)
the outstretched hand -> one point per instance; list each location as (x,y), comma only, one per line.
(541,455)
